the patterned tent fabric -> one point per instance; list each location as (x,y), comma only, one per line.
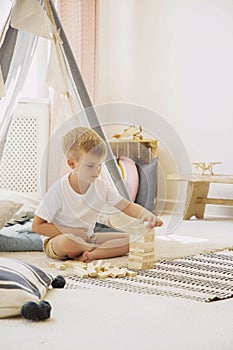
(79,20)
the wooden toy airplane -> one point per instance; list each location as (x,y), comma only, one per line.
(206,167)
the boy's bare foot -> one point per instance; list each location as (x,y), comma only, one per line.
(85,257)
(159,223)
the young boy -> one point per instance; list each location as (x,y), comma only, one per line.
(69,210)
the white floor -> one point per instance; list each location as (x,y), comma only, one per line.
(209,228)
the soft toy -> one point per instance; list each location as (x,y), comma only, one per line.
(22,289)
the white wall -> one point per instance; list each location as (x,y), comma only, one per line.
(174,57)
(5,7)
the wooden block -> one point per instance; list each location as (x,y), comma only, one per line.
(144,239)
(106,266)
(52,264)
(131,273)
(141,247)
(148,237)
(140,244)
(98,265)
(148,265)
(117,272)
(142,257)
(122,272)
(134,265)
(141,261)
(60,266)
(73,263)
(103,274)
(91,271)
(113,272)
(91,265)
(80,272)
(140,266)
(141,250)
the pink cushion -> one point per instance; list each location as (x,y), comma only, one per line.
(130,176)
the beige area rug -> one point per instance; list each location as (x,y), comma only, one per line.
(167,247)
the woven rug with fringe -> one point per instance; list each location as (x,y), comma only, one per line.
(204,277)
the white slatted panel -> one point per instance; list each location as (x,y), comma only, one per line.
(20,167)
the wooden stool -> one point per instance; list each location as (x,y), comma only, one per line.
(197,192)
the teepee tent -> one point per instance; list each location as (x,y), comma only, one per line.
(27,22)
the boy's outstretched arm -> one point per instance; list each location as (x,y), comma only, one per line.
(137,211)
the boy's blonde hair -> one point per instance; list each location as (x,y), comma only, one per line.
(80,141)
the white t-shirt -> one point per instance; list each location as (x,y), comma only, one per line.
(62,206)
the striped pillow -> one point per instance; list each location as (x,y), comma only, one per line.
(20,283)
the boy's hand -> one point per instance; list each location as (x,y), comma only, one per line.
(152,220)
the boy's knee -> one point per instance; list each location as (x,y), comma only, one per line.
(70,247)
(126,238)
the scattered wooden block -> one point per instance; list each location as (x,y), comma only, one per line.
(103,274)
(73,263)
(62,267)
(113,272)
(117,272)
(98,265)
(131,273)
(91,271)
(52,264)
(122,272)
(58,265)
(98,270)
(80,272)
(106,266)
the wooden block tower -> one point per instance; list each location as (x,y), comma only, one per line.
(141,251)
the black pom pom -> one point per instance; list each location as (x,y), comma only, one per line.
(34,312)
(59,282)
(44,310)
(30,310)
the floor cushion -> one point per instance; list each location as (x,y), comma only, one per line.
(22,289)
